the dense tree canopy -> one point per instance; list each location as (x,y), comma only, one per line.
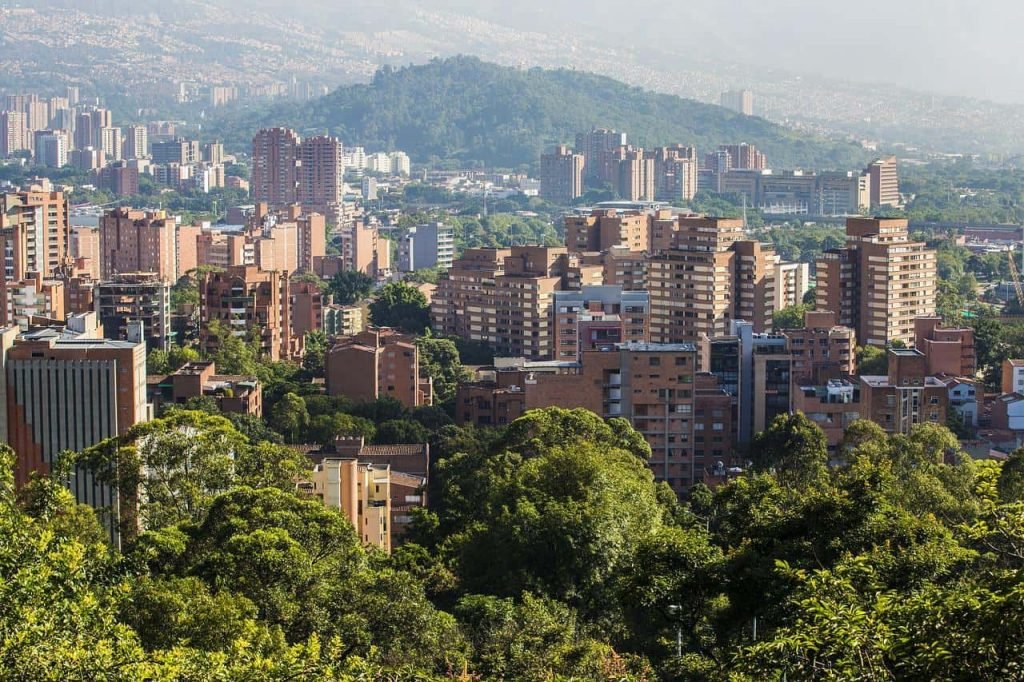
(548,552)
(401,306)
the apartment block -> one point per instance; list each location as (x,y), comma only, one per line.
(709,276)
(431,245)
(321,173)
(596,318)
(682,414)
(177,151)
(343,320)
(360,491)
(33,297)
(307,304)
(833,404)
(138,241)
(561,175)
(744,156)
(364,250)
(119,178)
(675,172)
(136,142)
(131,298)
(275,166)
(792,281)
(880,282)
(907,396)
(35,234)
(883,182)
(13,133)
(948,350)
(495,398)
(635,177)
(244,299)
(503,297)
(376,363)
(409,464)
(755,370)
(80,294)
(822,350)
(51,148)
(740,101)
(598,148)
(621,267)
(1013,376)
(604,229)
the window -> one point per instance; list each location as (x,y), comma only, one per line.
(654,362)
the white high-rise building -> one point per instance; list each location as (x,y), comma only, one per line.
(379,162)
(400,163)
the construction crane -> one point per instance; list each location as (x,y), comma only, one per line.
(1015,276)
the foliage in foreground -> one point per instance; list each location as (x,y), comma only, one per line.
(549,553)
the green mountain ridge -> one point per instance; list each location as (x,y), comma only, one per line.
(484,114)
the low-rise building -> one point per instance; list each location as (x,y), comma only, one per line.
(343,320)
(408,467)
(908,396)
(233,393)
(359,490)
(376,363)
(1008,412)
(832,405)
(496,398)
(949,350)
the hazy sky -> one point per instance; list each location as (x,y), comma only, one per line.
(969,47)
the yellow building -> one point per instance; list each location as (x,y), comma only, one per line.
(359,490)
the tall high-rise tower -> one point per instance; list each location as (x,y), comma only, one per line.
(275,166)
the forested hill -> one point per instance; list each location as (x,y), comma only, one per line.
(473,111)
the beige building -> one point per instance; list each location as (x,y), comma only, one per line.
(343,320)
(34,297)
(792,281)
(359,490)
(880,282)
(675,172)
(364,250)
(883,182)
(35,234)
(635,174)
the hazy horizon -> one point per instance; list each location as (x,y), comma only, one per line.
(947,47)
